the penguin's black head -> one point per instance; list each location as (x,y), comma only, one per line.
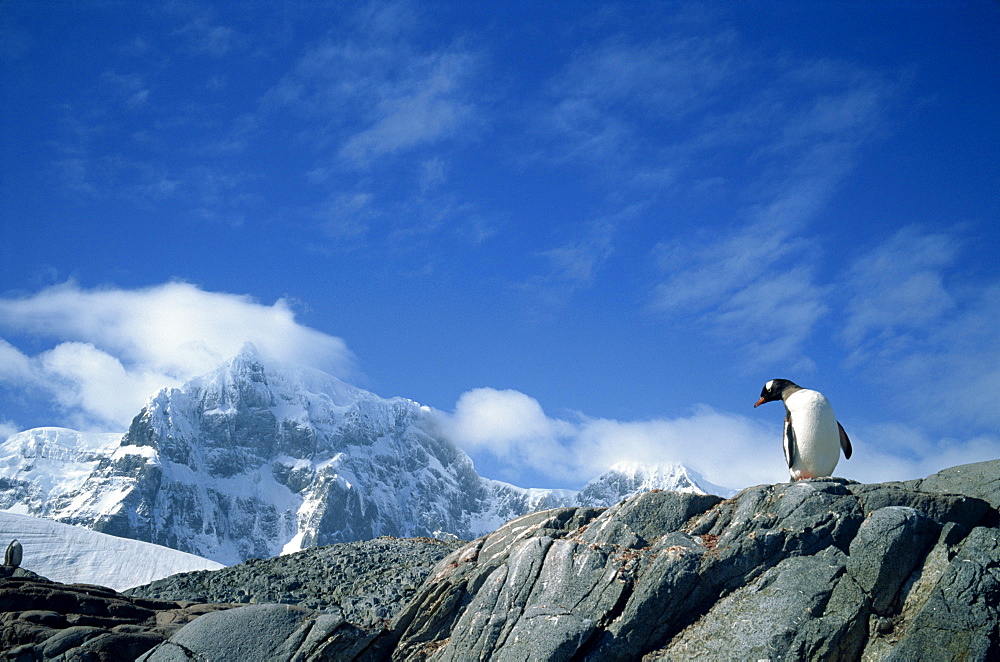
(775,389)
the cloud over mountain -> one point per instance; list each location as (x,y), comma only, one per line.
(114,347)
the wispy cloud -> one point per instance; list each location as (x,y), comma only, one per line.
(371,104)
(428,106)
(898,287)
(756,282)
(114,347)
(203,36)
(749,288)
(608,97)
(927,331)
(371,95)
(673,120)
(572,266)
(132,88)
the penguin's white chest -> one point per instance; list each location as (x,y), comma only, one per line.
(817,437)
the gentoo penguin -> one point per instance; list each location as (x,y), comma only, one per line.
(813,437)
(12,557)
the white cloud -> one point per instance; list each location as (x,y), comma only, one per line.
(114,347)
(897,451)
(7,428)
(14,366)
(500,419)
(91,385)
(730,450)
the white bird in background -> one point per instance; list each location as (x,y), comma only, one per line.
(813,437)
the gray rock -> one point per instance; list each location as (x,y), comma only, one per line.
(277,633)
(960,619)
(45,620)
(823,569)
(885,551)
(780,602)
(68,638)
(980,480)
(255,632)
(634,522)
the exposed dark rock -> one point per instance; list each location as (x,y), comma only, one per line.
(45,620)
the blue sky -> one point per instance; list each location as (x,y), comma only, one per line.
(582,232)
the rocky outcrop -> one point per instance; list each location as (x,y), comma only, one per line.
(823,569)
(264,632)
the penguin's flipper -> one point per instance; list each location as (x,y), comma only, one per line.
(789,440)
(845,441)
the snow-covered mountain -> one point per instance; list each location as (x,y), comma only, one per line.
(627,478)
(254,460)
(75,555)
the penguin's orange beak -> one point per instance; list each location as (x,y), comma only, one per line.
(759,402)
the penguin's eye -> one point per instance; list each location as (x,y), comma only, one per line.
(768,386)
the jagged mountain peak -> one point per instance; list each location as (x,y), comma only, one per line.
(259,380)
(257,458)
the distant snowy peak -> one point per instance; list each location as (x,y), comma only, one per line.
(627,478)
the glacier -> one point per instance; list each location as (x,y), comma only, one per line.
(257,459)
(75,555)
